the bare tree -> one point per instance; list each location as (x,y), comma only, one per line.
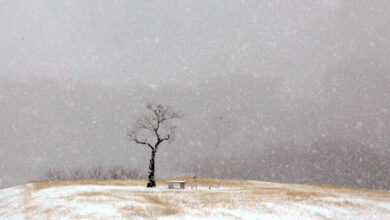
(77,174)
(54,175)
(96,173)
(131,173)
(115,173)
(119,172)
(152,129)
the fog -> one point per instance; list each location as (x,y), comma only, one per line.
(275,91)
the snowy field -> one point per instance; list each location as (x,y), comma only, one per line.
(232,199)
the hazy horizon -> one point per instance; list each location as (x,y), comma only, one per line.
(268,77)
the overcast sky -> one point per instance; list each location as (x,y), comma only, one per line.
(182,42)
(278,71)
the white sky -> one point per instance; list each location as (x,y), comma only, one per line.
(73,75)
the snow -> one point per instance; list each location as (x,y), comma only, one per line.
(228,202)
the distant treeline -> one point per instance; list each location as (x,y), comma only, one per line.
(342,163)
(95,173)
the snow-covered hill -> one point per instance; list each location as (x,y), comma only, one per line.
(231,199)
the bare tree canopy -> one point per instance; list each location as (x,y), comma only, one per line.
(152,129)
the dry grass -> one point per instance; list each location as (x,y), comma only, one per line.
(344,189)
(48,184)
(156,207)
(201,182)
(206,182)
(107,195)
(231,195)
(250,190)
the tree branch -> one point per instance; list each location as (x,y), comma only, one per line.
(166,138)
(144,143)
(133,137)
(158,123)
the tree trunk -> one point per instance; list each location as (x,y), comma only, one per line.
(152,182)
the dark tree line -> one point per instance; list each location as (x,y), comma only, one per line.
(94,173)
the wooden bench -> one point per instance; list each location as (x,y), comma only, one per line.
(173,182)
